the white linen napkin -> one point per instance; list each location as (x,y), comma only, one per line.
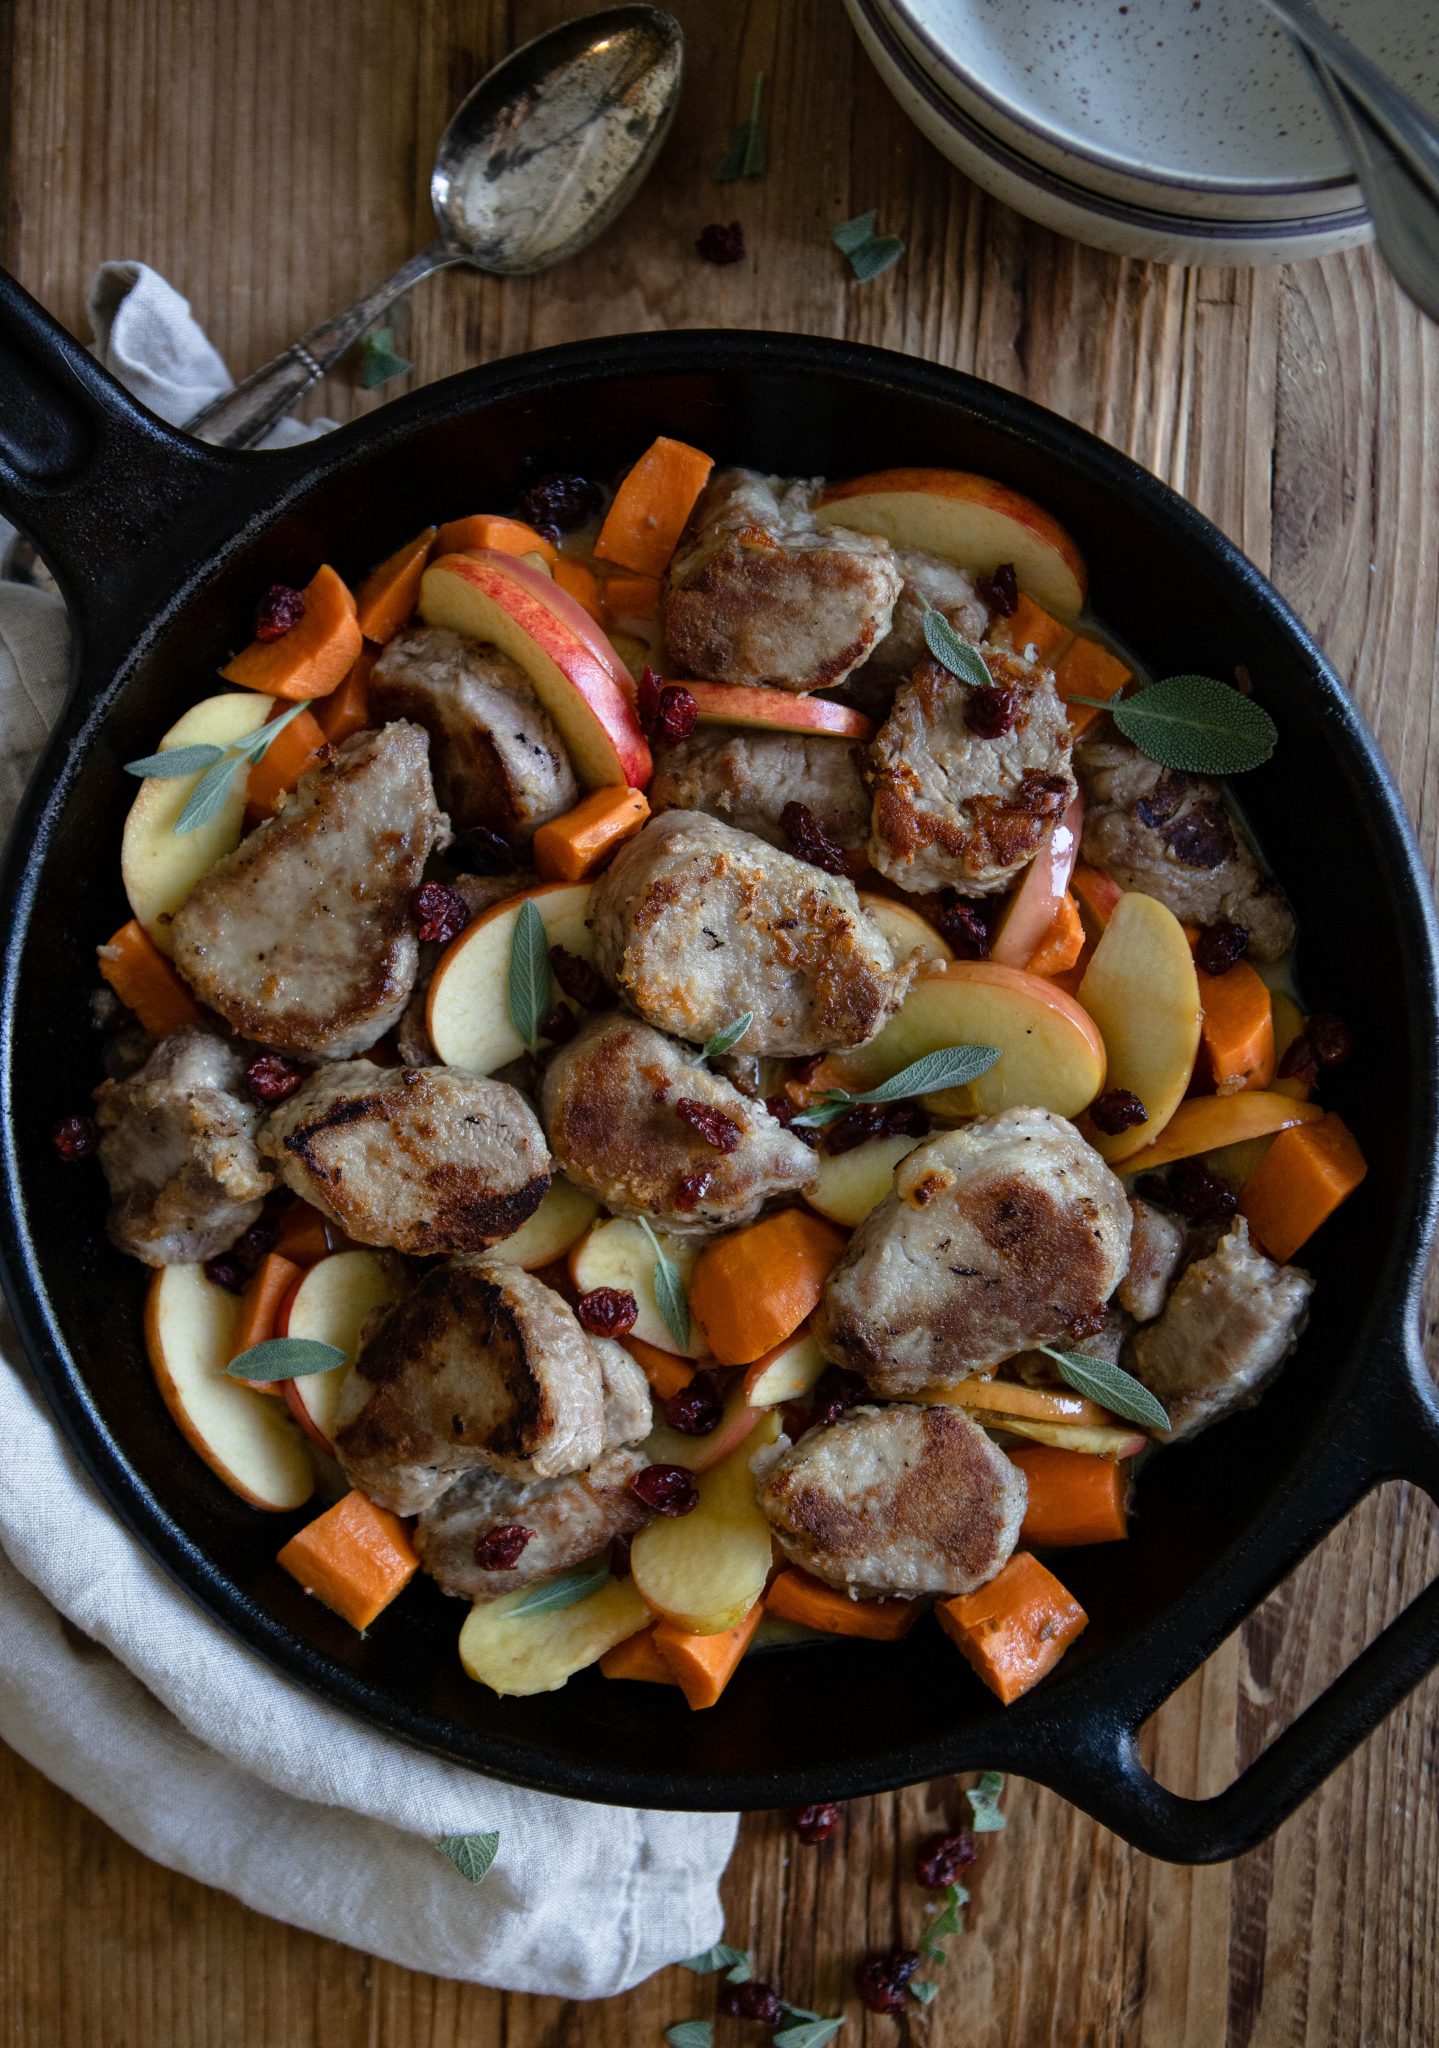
(121,1689)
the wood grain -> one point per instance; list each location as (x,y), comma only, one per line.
(271,160)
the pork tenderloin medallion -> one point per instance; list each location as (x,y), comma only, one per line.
(759,593)
(302,938)
(635,1118)
(953,807)
(933,583)
(495,755)
(745,779)
(899,1500)
(696,923)
(177,1144)
(482,1366)
(1007,1234)
(569,1521)
(1157,1245)
(421,1159)
(1232,1320)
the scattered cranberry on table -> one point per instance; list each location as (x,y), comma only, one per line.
(1116,1110)
(815,1823)
(941,1859)
(75,1138)
(440,913)
(607,1311)
(666,1489)
(697,1409)
(279,611)
(752,2001)
(498,1550)
(880,1982)
(720,244)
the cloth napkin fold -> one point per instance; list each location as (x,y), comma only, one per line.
(121,1689)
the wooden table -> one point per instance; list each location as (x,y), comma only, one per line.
(271,159)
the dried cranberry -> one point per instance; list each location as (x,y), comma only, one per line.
(1153,1187)
(962,926)
(752,2001)
(232,1269)
(279,609)
(578,979)
(498,1550)
(677,715)
(880,1982)
(647,700)
(1297,1061)
(607,1311)
(942,1858)
(875,1120)
(223,1272)
(837,1391)
(440,913)
(666,1489)
(620,1556)
(815,1823)
(713,1125)
(75,1138)
(479,851)
(691,1189)
(1221,946)
(1116,1110)
(1199,1194)
(273,1078)
(1000,591)
(720,244)
(784,1113)
(560,502)
(1330,1039)
(991,712)
(809,840)
(698,1408)
(558,1025)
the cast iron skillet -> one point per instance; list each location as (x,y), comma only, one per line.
(161,546)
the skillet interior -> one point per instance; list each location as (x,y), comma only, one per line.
(846,1718)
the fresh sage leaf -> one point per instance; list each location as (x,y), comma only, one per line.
(528,992)
(1194,724)
(670,1297)
(691,2034)
(378,361)
(471,1855)
(952,651)
(264,736)
(947,1922)
(808,2033)
(565,1591)
(172,761)
(1110,1385)
(868,253)
(729,1036)
(984,1806)
(851,235)
(951,1067)
(923,1990)
(745,156)
(720,1957)
(210,794)
(285,1358)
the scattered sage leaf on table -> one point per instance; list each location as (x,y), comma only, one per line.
(952,651)
(923,1990)
(528,991)
(691,2034)
(1194,724)
(471,1855)
(720,1957)
(565,1591)
(1110,1385)
(951,1067)
(745,156)
(670,1296)
(285,1358)
(728,1036)
(869,254)
(808,2033)
(945,1923)
(988,1814)
(378,361)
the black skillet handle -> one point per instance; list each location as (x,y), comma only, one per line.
(99,485)
(1097,1763)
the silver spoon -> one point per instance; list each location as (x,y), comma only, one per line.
(545,152)
(1392,142)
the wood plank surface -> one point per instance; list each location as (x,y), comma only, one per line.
(271,160)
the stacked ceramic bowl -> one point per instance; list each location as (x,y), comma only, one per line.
(1186,131)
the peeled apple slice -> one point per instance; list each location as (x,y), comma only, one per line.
(519,1654)
(704,1571)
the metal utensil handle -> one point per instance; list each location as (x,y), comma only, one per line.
(1409,131)
(240,418)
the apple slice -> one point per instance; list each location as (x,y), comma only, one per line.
(1036,1404)
(905,929)
(1051,1052)
(561,1220)
(762,710)
(160,866)
(467,1011)
(1096,1443)
(704,1571)
(971,520)
(616,1253)
(852,1183)
(247,1441)
(1221,1123)
(666,1446)
(517,1655)
(329,1303)
(576,674)
(1141,989)
(787,1373)
(1033,907)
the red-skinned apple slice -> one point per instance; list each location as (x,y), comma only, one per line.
(1033,907)
(666,1446)
(329,1304)
(971,520)
(576,674)
(787,1373)
(761,710)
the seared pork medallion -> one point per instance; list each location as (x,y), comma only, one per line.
(634,1117)
(302,937)
(423,1159)
(788,1154)
(695,923)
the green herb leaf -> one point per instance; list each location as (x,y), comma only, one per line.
(745,156)
(285,1358)
(528,992)
(923,1990)
(868,253)
(984,1804)
(565,1591)
(798,2012)
(730,1035)
(808,2033)
(952,651)
(471,1855)
(734,1961)
(378,361)
(851,235)
(949,1921)
(951,1067)
(670,1297)
(264,736)
(691,2034)
(1110,1385)
(173,761)
(210,794)
(1194,724)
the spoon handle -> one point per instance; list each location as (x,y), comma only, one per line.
(240,418)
